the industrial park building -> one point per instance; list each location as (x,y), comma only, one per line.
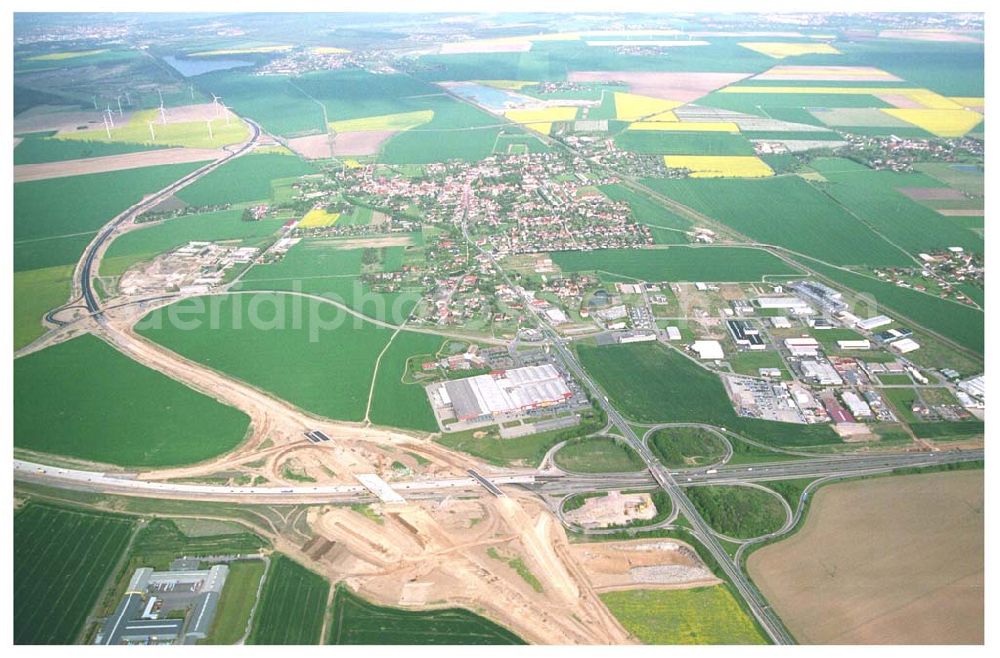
(804,346)
(792,304)
(508,392)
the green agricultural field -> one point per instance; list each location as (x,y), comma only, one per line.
(765,104)
(457,132)
(953,69)
(147,242)
(651,383)
(958,322)
(321,267)
(949,430)
(311,263)
(305,351)
(54,220)
(292,605)
(274,101)
(398,404)
(677,263)
(244,179)
(63,207)
(672,142)
(703,615)
(647,211)
(36,292)
(357,93)
(785,211)
(967,178)
(83,399)
(38,147)
(686,447)
(871,196)
(600,454)
(739,512)
(356,621)
(238,597)
(62,559)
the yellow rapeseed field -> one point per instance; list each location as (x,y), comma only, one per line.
(969,101)
(781,50)
(319,217)
(55,57)
(630,107)
(192,134)
(720,166)
(943,123)
(541,120)
(400,121)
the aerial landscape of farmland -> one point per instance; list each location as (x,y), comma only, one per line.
(490,327)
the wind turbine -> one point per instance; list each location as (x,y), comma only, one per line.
(128,99)
(209,124)
(107,128)
(163,114)
(160,93)
(215,102)
(226,111)
(152,133)
(120,113)
(111,115)
(95,102)
(191,88)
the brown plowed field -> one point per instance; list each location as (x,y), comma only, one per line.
(895,560)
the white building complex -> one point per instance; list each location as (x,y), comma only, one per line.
(497,395)
(792,304)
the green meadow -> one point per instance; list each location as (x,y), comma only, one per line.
(670,142)
(292,605)
(84,399)
(873,197)
(305,351)
(398,404)
(599,454)
(54,220)
(357,621)
(677,263)
(36,148)
(702,615)
(785,211)
(244,179)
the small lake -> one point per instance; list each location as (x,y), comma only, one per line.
(192,67)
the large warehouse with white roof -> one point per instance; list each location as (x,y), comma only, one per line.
(509,392)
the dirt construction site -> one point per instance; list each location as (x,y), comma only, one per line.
(506,557)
